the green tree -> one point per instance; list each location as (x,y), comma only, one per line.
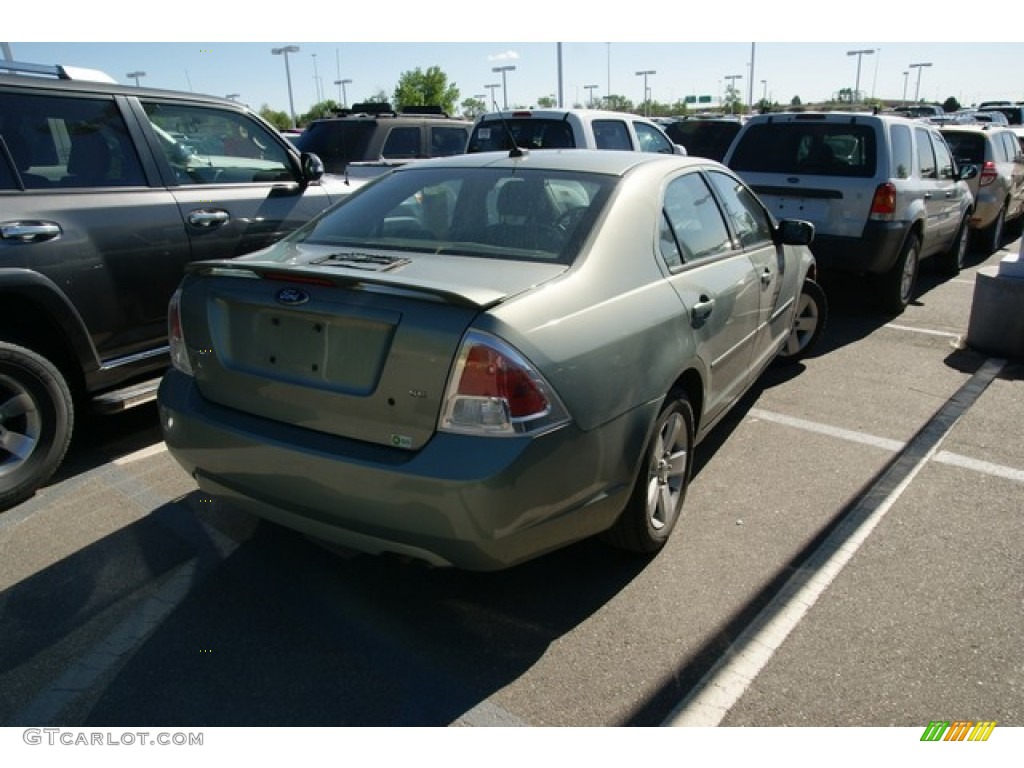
(617,103)
(473,108)
(547,102)
(419,88)
(327,108)
(733,100)
(276,118)
(950,105)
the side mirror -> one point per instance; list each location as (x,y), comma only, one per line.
(794,232)
(312,167)
(679,149)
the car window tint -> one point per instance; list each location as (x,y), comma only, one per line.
(966,147)
(807,148)
(926,164)
(651,139)
(337,142)
(527,133)
(8,165)
(611,134)
(210,146)
(943,159)
(402,143)
(748,217)
(902,154)
(69,142)
(696,220)
(445,142)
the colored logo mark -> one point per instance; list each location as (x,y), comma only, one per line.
(958,730)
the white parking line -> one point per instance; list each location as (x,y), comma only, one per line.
(144,453)
(727,681)
(928,331)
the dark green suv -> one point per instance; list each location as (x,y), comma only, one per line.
(106,192)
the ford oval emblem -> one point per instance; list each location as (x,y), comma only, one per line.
(292,296)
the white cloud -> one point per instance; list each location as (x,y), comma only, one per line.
(506,56)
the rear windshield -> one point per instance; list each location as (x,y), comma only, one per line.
(337,142)
(703,138)
(518,214)
(966,147)
(533,133)
(811,148)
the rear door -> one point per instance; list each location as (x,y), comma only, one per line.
(939,188)
(237,186)
(87,210)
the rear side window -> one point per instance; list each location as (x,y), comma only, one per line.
(967,148)
(402,143)
(808,148)
(902,152)
(337,142)
(69,142)
(445,141)
(694,228)
(925,156)
(611,134)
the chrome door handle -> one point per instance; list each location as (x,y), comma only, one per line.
(766,277)
(29,231)
(701,311)
(208,217)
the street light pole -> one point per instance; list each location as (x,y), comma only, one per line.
(341,86)
(504,82)
(859,54)
(491,87)
(288,74)
(905,74)
(136,74)
(919,67)
(647,99)
(732,82)
(590,94)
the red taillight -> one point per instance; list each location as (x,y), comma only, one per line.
(988,174)
(488,373)
(884,202)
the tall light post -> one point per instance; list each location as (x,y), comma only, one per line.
(647,99)
(341,90)
(590,94)
(491,87)
(731,89)
(288,74)
(504,82)
(905,74)
(764,94)
(316,81)
(136,74)
(919,67)
(855,96)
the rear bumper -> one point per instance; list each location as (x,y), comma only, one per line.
(475,503)
(874,252)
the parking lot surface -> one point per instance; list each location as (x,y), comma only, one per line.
(850,555)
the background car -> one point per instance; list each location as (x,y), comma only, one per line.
(569,129)
(705,136)
(998,188)
(883,191)
(476,360)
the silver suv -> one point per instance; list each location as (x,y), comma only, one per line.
(882,191)
(999,187)
(569,129)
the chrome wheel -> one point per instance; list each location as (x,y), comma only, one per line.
(666,476)
(908,277)
(21,425)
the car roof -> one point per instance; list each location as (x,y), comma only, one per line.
(560,114)
(614,162)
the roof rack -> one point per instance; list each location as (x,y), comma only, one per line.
(57,70)
(381,108)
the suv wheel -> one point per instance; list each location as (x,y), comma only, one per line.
(36,415)
(897,285)
(952,261)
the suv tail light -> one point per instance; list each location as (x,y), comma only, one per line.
(988,174)
(495,391)
(176,337)
(883,205)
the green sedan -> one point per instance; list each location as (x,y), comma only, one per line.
(476,360)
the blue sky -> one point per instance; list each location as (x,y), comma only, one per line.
(684,62)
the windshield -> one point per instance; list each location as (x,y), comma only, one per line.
(532,133)
(508,213)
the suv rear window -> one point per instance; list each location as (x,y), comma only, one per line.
(533,133)
(824,149)
(337,142)
(966,147)
(704,138)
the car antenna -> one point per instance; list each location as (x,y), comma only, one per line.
(516,150)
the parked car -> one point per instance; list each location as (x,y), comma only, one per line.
(106,192)
(568,129)
(705,137)
(479,359)
(372,138)
(883,191)
(998,188)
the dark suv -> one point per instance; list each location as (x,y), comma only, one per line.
(369,138)
(106,192)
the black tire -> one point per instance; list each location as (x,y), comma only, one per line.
(809,321)
(896,287)
(656,502)
(992,235)
(36,419)
(951,262)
